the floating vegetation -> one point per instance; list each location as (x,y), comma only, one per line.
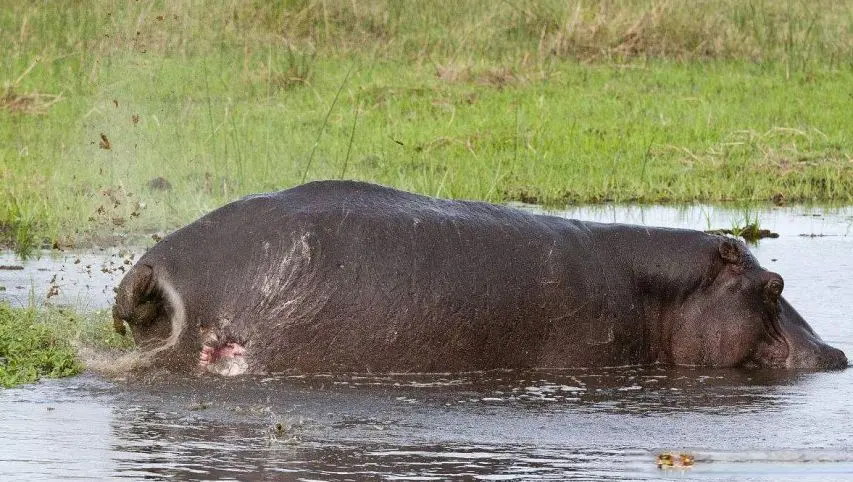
(746,227)
(751,233)
(675,460)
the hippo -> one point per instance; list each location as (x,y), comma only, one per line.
(344,276)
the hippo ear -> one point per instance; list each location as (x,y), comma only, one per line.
(774,287)
(730,251)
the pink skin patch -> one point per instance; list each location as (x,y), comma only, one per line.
(227,360)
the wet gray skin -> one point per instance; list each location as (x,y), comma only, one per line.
(344,276)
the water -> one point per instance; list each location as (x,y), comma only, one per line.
(552,425)
(83,279)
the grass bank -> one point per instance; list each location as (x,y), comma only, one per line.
(38,343)
(119,118)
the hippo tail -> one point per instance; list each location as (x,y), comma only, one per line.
(145,297)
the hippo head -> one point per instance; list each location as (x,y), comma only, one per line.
(738,317)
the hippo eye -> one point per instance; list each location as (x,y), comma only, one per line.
(774,288)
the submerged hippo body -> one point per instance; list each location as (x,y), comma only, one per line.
(346,276)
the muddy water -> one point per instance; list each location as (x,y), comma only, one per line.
(588,424)
(82,279)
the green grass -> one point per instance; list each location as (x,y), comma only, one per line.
(30,349)
(37,343)
(560,102)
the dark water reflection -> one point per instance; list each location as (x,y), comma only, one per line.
(551,425)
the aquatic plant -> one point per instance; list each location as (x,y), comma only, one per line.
(746,226)
(47,341)
(30,349)
(18,224)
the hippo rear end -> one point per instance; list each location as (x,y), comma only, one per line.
(345,276)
